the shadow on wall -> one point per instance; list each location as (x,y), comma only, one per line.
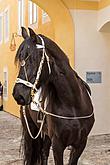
(105,28)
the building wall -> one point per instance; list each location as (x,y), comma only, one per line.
(45,27)
(7,56)
(103,4)
(92,53)
(80,4)
(86,5)
(62,21)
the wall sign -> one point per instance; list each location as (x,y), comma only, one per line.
(93,77)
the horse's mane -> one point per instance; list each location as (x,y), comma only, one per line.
(58,54)
(17,57)
(62,59)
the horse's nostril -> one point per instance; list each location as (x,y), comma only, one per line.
(20,100)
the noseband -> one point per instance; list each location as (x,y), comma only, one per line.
(44,55)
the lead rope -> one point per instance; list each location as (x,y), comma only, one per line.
(27,125)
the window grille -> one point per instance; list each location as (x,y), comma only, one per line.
(6,25)
(20,15)
(32,13)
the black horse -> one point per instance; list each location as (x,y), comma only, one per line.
(66,95)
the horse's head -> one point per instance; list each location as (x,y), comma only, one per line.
(34,66)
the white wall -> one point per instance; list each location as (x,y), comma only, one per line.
(92,53)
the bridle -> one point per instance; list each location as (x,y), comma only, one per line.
(23,63)
(34,90)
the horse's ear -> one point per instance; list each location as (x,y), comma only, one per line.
(32,34)
(24,32)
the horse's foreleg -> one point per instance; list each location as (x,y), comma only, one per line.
(76,153)
(58,150)
(45,150)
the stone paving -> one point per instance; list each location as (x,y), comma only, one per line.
(97,151)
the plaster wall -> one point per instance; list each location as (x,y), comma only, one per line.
(92,53)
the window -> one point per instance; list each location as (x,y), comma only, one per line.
(20,14)
(1,28)
(32,13)
(6,25)
(45,17)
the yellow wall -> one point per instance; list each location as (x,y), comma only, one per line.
(7,57)
(46,28)
(62,21)
(104,3)
(78,4)
(86,5)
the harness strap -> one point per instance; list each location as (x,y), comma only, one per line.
(69,118)
(62,117)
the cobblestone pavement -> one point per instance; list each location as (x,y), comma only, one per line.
(97,151)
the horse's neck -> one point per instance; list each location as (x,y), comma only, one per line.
(66,85)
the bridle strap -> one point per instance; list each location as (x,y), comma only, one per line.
(25,73)
(44,52)
(28,84)
(39,71)
(47,58)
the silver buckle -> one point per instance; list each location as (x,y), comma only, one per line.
(22,63)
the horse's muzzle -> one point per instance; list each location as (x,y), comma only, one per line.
(18,96)
(19,99)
